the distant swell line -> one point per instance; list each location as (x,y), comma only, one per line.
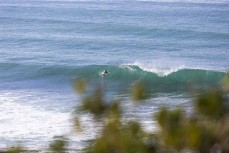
(140,30)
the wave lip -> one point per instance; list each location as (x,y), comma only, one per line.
(159,70)
(174,79)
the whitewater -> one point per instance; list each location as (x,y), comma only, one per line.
(175,47)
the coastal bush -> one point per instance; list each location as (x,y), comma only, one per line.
(58,146)
(204,130)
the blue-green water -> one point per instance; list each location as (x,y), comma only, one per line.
(173,47)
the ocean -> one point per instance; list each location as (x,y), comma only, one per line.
(175,47)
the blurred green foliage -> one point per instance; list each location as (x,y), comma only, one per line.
(77,124)
(138,91)
(225,81)
(205,130)
(211,104)
(58,146)
(16,149)
(179,132)
(200,130)
(173,126)
(80,85)
(94,103)
(120,138)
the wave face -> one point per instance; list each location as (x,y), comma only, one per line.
(119,75)
(174,81)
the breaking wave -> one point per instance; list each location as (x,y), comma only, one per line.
(158,78)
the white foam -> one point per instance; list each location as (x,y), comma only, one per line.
(158,68)
(32,126)
(24,122)
(128,67)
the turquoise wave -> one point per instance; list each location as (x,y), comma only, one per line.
(180,80)
(119,75)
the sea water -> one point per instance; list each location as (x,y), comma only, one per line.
(174,46)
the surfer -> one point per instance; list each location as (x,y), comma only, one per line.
(105,73)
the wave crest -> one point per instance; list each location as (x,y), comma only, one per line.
(159,70)
(174,78)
